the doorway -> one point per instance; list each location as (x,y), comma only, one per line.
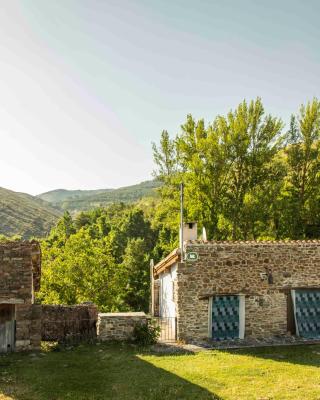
(306,304)
(7,327)
(227,317)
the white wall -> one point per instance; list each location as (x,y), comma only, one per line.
(167,305)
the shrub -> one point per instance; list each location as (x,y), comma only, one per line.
(146,333)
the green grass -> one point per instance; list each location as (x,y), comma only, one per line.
(124,372)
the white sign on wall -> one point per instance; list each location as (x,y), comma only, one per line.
(192,256)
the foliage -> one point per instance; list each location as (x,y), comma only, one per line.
(14,238)
(301,188)
(101,256)
(146,334)
(80,200)
(135,269)
(244,177)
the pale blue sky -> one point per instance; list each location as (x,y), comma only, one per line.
(87,85)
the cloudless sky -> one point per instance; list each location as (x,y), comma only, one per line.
(87,85)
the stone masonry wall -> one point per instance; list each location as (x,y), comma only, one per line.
(63,323)
(236,268)
(20,270)
(118,326)
(19,265)
(28,326)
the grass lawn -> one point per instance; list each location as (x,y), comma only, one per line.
(124,372)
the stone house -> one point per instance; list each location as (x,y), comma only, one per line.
(20,318)
(240,290)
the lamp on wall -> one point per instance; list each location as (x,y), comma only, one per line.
(270,277)
(267,276)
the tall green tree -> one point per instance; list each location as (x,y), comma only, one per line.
(254,139)
(302,185)
(228,169)
(136,270)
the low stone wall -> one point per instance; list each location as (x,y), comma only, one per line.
(63,323)
(118,326)
(28,327)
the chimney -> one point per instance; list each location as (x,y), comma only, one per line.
(190,231)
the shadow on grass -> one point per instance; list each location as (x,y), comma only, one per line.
(299,354)
(294,354)
(92,372)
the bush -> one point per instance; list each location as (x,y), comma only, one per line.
(146,333)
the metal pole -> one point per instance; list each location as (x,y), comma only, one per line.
(152,287)
(181,221)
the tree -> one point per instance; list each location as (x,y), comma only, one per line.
(228,169)
(165,157)
(82,271)
(301,191)
(101,257)
(253,140)
(135,268)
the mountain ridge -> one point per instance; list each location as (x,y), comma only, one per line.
(33,216)
(25,215)
(80,200)
(57,195)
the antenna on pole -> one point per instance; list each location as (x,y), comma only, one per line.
(181,220)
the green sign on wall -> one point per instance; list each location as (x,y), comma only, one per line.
(192,256)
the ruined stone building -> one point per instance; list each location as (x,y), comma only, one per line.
(240,290)
(20,318)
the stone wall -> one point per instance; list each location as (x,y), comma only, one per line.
(68,323)
(118,326)
(28,327)
(264,272)
(19,271)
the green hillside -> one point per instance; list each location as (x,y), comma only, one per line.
(25,215)
(78,200)
(58,196)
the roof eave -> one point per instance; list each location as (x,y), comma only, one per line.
(167,262)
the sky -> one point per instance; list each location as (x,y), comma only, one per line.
(87,85)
